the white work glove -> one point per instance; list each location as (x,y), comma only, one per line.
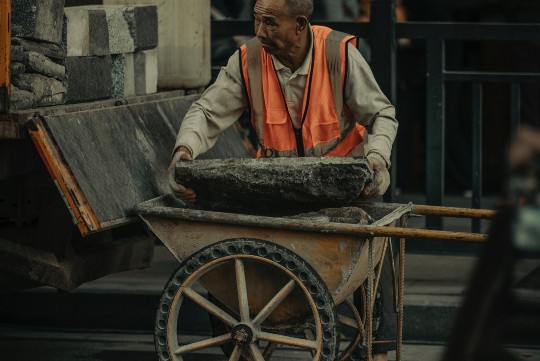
(186,194)
(381,177)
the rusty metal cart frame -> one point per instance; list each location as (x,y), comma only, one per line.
(201,239)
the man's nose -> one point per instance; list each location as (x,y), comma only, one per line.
(260,31)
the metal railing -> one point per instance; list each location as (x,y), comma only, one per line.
(383,32)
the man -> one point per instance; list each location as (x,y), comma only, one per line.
(310,93)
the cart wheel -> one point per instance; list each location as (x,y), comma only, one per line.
(249,332)
(356,324)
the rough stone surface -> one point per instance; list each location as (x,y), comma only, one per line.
(17,53)
(143,21)
(16,68)
(39,19)
(123,76)
(51,50)
(349,215)
(146,72)
(86,32)
(40,85)
(39,63)
(274,183)
(88,78)
(21,99)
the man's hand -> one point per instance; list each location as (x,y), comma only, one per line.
(186,194)
(381,178)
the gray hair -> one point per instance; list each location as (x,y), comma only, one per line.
(300,7)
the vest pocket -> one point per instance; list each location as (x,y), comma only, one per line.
(278,132)
(324,132)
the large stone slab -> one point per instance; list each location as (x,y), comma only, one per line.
(40,85)
(39,19)
(86,32)
(278,183)
(88,78)
(143,24)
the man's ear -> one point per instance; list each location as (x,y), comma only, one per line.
(301,23)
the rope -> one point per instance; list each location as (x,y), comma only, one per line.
(369,332)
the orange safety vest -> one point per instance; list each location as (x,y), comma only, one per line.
(328,126)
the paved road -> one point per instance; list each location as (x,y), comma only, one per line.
(22,344)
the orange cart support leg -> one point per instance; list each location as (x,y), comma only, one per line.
(5,52)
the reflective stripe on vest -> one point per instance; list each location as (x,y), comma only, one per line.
(329,128)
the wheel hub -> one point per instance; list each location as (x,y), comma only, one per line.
(242,334)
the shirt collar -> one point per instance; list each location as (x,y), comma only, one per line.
(304,68)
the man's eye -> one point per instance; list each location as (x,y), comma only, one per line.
(269,22)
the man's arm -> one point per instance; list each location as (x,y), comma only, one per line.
(370,107)
(217,109)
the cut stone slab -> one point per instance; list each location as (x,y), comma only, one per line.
(17,53)
(278,183)
(39,63)
(51,50)
(146,72)
(88,78)
(39,19)
(123,76)
(86,32)
(118,18)
(143,24)
(16,68)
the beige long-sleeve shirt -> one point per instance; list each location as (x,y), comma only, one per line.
(224,101)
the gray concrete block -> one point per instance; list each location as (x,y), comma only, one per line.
(88,78)
(144,26)
(40,85)
(123,76)
(48,49)
(146,72)
(86,32)
(277,183)
(39,19)
(39,63)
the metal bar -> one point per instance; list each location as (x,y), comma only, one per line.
(435,128)
(5,54)
(453,212)
(241,290)
(468,31)
(409,29)
(228,28)
(383,61)
(484,77)
(200,345)
(401,296)
(243,220)
(210,307)
(515,108)
(476,152)
(274,302)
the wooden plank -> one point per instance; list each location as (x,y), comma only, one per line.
(5,51)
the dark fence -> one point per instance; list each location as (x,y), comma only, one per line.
(383,32)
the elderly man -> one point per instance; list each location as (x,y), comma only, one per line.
(309,91)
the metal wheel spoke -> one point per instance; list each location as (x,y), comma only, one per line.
(348,322)
(210,307)
(287,340)
(269,350)
(199,345)
(242,291)
(235,355)
(274,302)
(255,352)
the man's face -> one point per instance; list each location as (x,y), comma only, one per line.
(275,27)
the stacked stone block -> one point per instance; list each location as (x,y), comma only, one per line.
(83,53)
(113,32)
(36,64)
